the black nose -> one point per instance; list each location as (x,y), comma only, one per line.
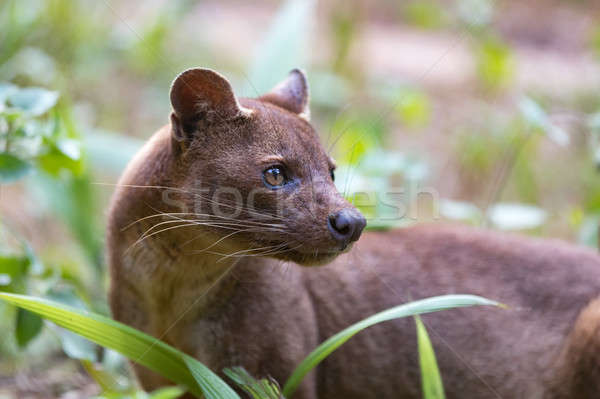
(346,225)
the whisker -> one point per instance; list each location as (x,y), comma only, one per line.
(213,224)
(245,252)
(195,193)
(174,215)
(157,232)
(243,208)
(270,252)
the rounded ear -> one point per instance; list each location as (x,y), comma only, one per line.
(291,94)
(201,95)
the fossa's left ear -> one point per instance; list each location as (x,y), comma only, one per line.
(201,97)
(291,94)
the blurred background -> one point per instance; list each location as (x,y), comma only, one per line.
(484,112)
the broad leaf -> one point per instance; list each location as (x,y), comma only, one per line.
(12,168)
(77,347)
(13,270)
(136,345)
(28,326)
(33,100)
(428,305)
(64,155)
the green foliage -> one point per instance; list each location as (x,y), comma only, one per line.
(351,137)
(344,24)
(32,101)
(162,393)
(425,14)
(39,138)
(506,152)
(148,52)
(144,349)
(431,380)
(74,199)
(422,306)
(257,389)
(414,108)
(16,267)
(27,328)
(33,137)
(12,168)
(284,46)
(93,53)
(17,23)
(595,41)
(495,63)
(197,378)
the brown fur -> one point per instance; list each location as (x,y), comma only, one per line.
(267,312)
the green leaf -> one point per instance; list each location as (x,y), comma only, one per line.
(77,347)
(13,265)
(428,305)
(61,156)
(495,63)
(284,46)
(414,108)
(167,393)
(108,382)
(12,168)
(213,386)
(161,393)
(431,380)
(28,326)
(355,136)
(34,100)
(425,14)
(74,199)
(136,345)
(257,389)
(13,269)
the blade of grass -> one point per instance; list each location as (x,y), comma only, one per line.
(284,46)
(136,345)
(265,388)
(428,305)
(431,379)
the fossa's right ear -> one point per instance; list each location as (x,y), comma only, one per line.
(202,97)
(291,94)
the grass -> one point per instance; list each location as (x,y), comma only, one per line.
(200,380)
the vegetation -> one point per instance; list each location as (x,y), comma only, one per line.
(83,83)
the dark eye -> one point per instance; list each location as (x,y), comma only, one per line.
(274,177)
(332,174)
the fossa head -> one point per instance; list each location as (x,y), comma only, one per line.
(254,172)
